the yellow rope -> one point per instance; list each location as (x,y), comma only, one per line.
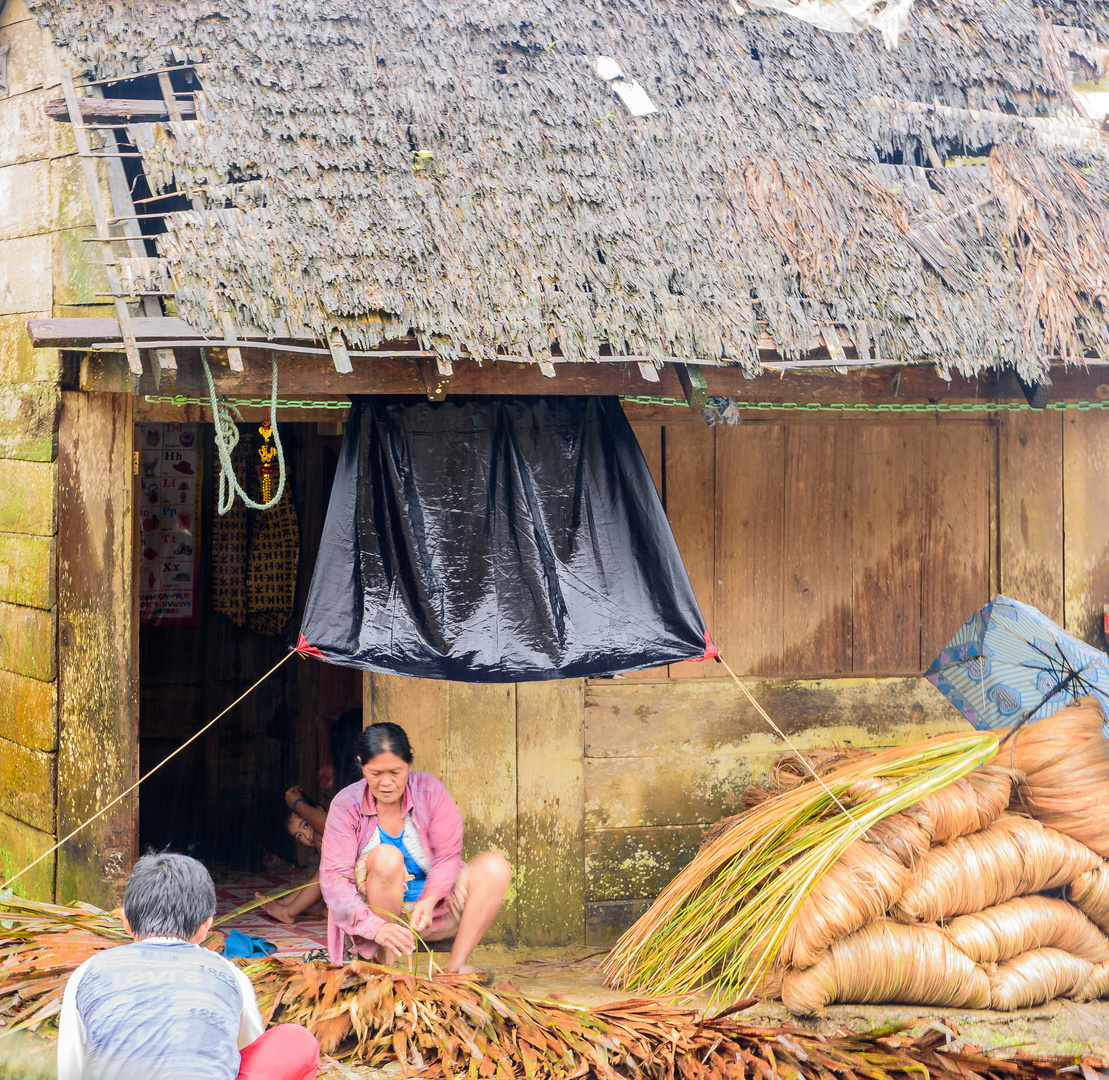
(192,738)
(785,738)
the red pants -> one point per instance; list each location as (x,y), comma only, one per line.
(285,1052)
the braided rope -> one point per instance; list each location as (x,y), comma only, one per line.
(225,419)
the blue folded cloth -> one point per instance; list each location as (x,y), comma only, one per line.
(246,945)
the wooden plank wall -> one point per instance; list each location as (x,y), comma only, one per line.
(44,211)
(832,548)
(97,738)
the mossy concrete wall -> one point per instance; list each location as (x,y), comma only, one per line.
(44,271)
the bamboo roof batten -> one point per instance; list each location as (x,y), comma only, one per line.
(549,183)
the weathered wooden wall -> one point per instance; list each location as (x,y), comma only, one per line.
(832,561)
(44,212)
(97,708)
(829,548)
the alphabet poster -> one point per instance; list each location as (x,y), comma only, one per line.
(169,523)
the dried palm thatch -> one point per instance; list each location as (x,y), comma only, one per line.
(1065,763)
(861,887)
(1035,977)
(888,961)
(1089,892)
(1027,922)
(1015,856)
(40,947)
(721,921)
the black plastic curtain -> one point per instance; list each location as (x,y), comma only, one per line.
(497,540)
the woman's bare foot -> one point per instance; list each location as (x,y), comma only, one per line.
(276,910)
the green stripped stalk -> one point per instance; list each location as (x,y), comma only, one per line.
(720,923)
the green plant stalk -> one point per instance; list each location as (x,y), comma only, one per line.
(729,910)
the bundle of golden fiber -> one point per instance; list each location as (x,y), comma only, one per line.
(1035,977)
(1089,892)
(888,961)
(790,769)
(1097,985)
(904,837)
(1027,922)
(966,806)
(720,923)
(860,887)
(1015,856)
(1065,762)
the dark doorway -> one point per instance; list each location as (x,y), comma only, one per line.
(221,799)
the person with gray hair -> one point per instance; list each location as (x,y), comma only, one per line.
(163,1006)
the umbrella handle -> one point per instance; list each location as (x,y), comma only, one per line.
(1061,685)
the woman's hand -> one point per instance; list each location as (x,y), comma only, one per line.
(423,911)
(294,793)
(396,937)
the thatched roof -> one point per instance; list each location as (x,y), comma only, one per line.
(461,168)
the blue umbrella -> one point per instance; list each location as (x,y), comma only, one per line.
(1010,664)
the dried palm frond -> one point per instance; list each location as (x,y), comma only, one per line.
(720,923)
(885,962)
(1015,856)
(1035,977)
(40,947)
(449,1027)
(1024,923)
(445,1027)
(1064,759)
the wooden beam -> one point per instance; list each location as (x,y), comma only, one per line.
(119,111)
(394,373)
(693,383)
(92,181)
(80,333)
(435,383)
(340,357)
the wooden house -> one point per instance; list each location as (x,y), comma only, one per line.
(883,238)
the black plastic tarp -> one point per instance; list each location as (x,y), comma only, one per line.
(497,540)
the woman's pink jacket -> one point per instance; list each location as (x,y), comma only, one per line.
(350,823)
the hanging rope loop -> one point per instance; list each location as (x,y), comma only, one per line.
(225,420)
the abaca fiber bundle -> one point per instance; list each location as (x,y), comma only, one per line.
(1089,892)
(1027,922)
(1035,977)
(1013,857)
(1065,762)
(884,962)
(860,887)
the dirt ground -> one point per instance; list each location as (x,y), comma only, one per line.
(1059,1027)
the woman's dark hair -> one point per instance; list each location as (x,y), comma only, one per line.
(344,735)
(382,739)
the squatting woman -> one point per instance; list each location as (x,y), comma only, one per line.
(392,861)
